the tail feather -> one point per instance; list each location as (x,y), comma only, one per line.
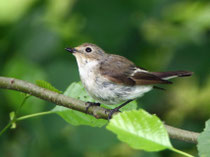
(172,74)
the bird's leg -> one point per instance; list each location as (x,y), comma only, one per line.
(89,104)
(117,109)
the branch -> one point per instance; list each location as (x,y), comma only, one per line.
(75,104)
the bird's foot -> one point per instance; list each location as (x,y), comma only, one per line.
(117,109)
(112,111)
(89,104)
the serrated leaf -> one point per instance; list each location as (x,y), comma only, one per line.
(47,85)
(204,141)
(76,90)
(140,130)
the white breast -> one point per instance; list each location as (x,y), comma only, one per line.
(87,70)
(103,90)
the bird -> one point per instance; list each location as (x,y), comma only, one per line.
(113,79)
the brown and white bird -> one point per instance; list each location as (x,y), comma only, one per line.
(113,79)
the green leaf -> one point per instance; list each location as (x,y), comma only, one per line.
(13,126)
(204,141)
(141,130)
(12,117)
(47,85)
(76,90)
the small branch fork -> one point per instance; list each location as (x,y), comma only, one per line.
(75,104)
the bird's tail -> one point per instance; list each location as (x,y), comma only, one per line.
(172,74)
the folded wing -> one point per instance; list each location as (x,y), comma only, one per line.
(122,71)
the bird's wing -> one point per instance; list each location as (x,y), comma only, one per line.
(117,69)
(147,78)
(122,71)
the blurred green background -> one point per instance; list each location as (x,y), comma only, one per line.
(158,35)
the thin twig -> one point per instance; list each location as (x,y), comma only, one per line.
(75,104)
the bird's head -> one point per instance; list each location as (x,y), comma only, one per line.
(87,53)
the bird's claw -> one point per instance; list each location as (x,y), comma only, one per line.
(111,112)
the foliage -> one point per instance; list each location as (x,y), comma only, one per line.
(140,130)
(137,128)
(204,142)
(157,35)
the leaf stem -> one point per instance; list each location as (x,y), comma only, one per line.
(181,152)
(6,127)
(16,112)
(23,102)
(34,115)
(23,118)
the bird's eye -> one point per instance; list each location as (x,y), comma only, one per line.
(88,49)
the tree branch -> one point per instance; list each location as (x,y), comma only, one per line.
(75,104)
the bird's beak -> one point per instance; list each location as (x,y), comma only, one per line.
(72,50)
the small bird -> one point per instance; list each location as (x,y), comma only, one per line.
(113,79)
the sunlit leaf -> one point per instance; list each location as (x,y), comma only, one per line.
(140,130)
(204,141)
